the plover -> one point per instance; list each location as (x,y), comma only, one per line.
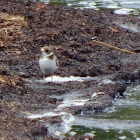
(48,62)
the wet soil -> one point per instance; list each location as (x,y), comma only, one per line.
(25,27)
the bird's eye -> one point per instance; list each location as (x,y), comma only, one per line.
(46,50)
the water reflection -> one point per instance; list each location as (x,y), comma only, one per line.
(117,6)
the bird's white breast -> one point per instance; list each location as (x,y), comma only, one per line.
(47,65)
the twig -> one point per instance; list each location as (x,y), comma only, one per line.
(113,29)
(123,50)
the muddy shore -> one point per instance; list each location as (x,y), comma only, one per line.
(81,40)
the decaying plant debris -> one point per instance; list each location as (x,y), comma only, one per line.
(25,27)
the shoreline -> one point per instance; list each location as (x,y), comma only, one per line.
(28,26)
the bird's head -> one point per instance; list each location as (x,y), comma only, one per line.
(46,50)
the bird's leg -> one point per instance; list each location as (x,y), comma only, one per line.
(43,76)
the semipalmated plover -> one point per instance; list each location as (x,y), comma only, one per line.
(48,62)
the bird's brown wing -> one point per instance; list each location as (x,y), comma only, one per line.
(57,62)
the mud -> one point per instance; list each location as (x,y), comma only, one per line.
(25,27)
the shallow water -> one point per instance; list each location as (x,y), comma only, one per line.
(99,134)
(121,121)
(117,6)
(116,120)
(132,27)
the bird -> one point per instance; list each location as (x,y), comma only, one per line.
(48,62)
